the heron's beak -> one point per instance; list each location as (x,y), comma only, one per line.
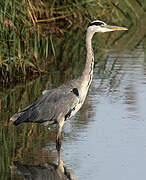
(115,28)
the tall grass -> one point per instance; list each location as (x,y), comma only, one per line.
(27,31)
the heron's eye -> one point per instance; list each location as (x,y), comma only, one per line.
(103,25)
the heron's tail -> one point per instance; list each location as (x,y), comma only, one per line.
(19,118)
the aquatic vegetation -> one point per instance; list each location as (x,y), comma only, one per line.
(30,31)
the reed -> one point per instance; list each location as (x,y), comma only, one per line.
(28,31)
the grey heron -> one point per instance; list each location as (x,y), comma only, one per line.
(60,104)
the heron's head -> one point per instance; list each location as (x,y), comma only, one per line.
(100,26)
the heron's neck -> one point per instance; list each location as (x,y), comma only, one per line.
(88,70)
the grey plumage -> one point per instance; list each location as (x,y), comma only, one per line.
(58,105)
(50,105)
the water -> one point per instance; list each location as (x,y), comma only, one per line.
(113,144)
(105,140)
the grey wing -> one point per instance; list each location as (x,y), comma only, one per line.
(53,104)
(62,102)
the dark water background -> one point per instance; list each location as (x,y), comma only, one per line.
(107,138)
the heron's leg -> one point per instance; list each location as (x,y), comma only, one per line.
(58,138)
(60,162)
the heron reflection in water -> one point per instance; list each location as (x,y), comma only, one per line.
(47,171)
(60,104)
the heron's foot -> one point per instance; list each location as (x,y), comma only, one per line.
(58,144)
